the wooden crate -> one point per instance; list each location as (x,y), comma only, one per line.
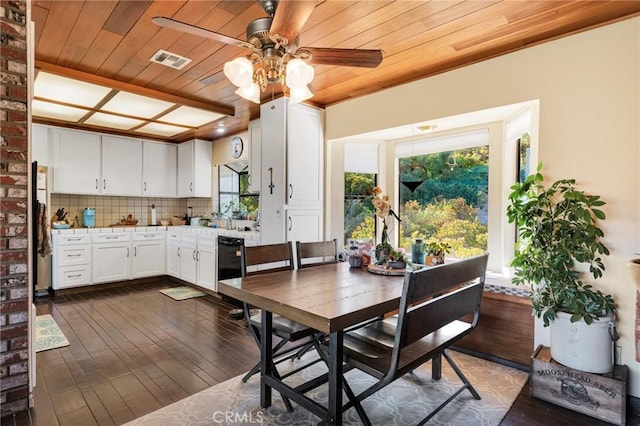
(602,396)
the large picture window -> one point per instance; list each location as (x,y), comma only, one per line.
(444,198)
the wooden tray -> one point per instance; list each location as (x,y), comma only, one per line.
(382,270)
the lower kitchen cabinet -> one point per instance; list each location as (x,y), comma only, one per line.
(111,257)
(173,254)
(148,254)
(188,263)
(71,261)
(206,262)
(304,225)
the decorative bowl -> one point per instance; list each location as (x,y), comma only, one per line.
(61,225)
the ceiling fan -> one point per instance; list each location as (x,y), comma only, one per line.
(273,42)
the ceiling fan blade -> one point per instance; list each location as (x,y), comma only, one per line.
(198,31)
(290,17)
(366,58)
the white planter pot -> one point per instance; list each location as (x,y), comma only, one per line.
(583,347)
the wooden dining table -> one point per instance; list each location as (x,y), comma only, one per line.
(329,298)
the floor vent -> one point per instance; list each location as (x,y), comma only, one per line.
(169,59)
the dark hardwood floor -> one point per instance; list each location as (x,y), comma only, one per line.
(133,350)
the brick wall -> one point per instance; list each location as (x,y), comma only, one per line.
(14,166)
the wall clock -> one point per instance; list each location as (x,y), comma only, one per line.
(236,147)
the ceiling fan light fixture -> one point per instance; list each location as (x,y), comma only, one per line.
(299,73)
(250,93)
(299,94)
(239,71)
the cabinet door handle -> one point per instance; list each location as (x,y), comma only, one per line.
(96,183)
(104,184)
(74,239)
(290,223)
(145,186)
(290,190)
(74,276)
(149,236)
(191,187)
(198,256)
(111,238)
(135,251)
(271,185)
(127,251)
(74,255)
(178,251)
(193,255)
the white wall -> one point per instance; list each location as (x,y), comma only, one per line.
(589,90)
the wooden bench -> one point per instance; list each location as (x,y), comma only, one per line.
(431,318)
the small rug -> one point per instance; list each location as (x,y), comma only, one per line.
(48,334)
(404,402)
(182,293)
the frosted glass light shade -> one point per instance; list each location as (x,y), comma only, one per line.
(239,72)
(299,73)
(299,94)
(250,93)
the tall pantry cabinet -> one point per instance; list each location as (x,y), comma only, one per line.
(292,170)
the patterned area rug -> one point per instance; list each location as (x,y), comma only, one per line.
(404,402)
(182,293)
(48,334)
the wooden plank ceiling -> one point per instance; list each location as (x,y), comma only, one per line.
(115,39)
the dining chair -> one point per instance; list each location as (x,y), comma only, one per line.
(271,258)
(433,315)
(316,253)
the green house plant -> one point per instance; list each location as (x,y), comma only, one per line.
(435,251)
(558,229)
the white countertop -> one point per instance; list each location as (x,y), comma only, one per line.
(248,235)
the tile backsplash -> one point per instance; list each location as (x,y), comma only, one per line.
(110,210)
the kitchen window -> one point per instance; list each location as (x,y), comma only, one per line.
(234,195)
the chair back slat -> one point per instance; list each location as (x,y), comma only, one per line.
(276,257)
(321,252)
(452,297)
(436,313)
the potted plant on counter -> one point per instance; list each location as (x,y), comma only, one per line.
(435,251)
(558,230)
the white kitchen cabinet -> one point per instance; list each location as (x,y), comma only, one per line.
(292,138)
(173,253)
(159,169)
(305,150)
(40,144)
(194,169)
(207,262)
(188,262)
(255,155)
(71,264)
(76,162)
(148,254)
(111,253)
(304,225)
(121,166)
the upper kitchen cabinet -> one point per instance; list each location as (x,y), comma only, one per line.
(159,169)
(121,166)
(76,162)
(194,169)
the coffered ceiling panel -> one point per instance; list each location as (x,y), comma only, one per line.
(113,42)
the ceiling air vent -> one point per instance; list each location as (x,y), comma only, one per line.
(169,59)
